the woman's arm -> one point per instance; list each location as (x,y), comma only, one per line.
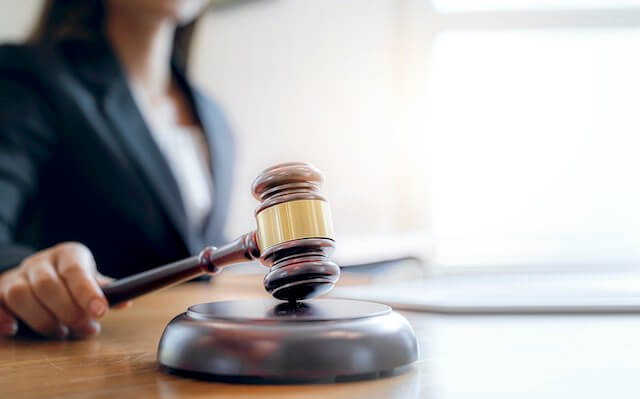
(55,290)
(26,143)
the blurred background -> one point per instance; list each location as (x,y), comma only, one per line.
(469,132)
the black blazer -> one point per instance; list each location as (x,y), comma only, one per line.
(78,163)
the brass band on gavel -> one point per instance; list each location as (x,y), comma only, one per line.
(306,218)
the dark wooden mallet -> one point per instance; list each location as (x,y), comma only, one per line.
(294,238)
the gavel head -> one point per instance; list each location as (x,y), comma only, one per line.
(294,232)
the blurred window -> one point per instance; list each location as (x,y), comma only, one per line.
(533,132)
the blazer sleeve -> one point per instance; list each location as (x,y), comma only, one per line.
(26,144)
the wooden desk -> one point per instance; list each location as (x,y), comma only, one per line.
(461,356)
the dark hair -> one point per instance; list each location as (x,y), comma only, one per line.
(84,19)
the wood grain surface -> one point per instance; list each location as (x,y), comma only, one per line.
(461,356)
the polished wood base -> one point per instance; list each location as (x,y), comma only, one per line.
(272,341)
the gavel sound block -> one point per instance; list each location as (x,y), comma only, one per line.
(285,339)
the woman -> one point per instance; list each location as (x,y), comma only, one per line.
(110,160)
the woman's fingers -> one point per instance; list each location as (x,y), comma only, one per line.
(54,296)
(76,267)
(21,301)
(53,291)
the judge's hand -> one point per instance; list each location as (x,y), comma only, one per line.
(56,292)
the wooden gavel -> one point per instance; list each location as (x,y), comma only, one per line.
(294,238)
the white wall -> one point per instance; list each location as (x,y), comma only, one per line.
(16,18)
(314,81)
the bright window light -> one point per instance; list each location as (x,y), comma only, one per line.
(534,134)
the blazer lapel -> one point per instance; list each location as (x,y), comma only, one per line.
(220,148)
(133,132)
(209,128)
(101,68)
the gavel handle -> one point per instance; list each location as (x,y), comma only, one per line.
(210,261)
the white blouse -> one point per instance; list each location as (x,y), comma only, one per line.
(186,151)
